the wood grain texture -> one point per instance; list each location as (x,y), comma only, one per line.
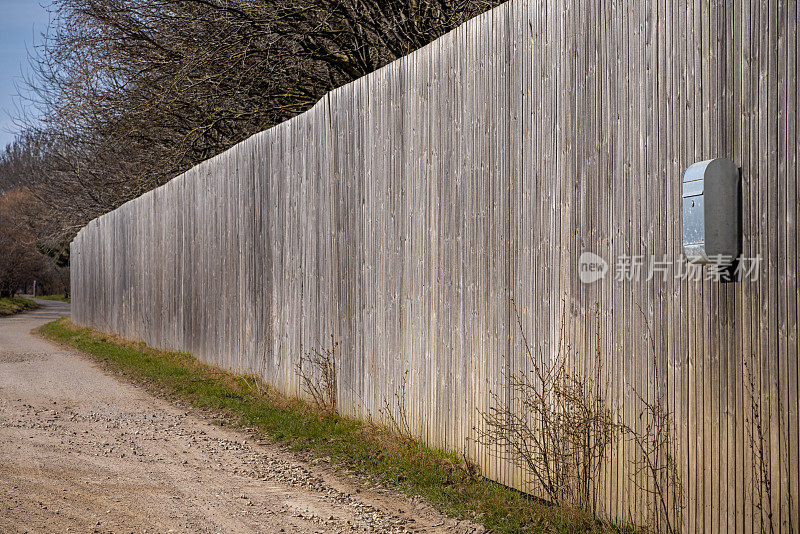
(403,213)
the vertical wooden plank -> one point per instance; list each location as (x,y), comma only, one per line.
(773,360)
(745,493)
(783,403)
(792,351)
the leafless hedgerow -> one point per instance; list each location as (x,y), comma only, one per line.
(553,423)
(397,415)
(317,370)
(654,471)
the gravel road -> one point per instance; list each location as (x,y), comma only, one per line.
(84,451)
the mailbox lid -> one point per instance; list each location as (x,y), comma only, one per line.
(691,189)
(696,171)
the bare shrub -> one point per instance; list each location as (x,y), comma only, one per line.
(317,370)
(255,385)
(259,378)
(553,423)
(397,415)
(756,440)
(654,469)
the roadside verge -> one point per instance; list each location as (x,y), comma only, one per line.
(15,305)
(442,478)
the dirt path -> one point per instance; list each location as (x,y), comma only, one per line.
(82,451)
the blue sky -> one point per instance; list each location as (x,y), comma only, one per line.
(21,23)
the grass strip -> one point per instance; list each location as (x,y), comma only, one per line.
(14,305)
(441,477)
(60,298)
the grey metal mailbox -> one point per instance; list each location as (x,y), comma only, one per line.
(711,211)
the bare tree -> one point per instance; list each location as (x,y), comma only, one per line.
(126,94)
(21,258)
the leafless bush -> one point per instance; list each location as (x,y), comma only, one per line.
(655,470)
(255,385)
(762,479)
(553,423)
(397,415)
(258,382)
(556,425)
(317,370)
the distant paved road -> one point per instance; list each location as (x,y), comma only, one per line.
(83,451)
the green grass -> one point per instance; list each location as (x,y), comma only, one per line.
(60,298)
(375,452)
(11,306)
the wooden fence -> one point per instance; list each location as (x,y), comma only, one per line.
(404,210)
